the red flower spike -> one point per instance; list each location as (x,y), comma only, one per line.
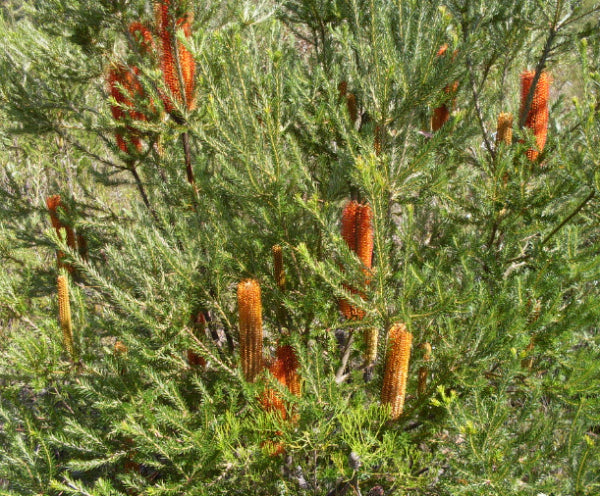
(168,58)
(142,35)
(124,87)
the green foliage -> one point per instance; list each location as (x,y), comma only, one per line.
(489,257)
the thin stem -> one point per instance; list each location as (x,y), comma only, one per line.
(340,376)
(488,145)
(185,140)
(567,219)
(142,191)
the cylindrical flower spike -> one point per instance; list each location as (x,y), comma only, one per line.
(357,231)
(125,87)
(64,315)
(170,53)
(440,116)
(250,312)
(188,65)
(278,272)
(286,355)
(142,35)
(365,238)
(393,390)
(423,372)
(285,369)
(537,116)
(352,107)
(504,132)
(371,343)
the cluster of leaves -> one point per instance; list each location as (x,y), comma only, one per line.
(489,257)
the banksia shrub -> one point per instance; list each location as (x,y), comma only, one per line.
(504,130)
(250,314)
(357,232)
(54,203)
(64,315)
(124,86)
(395,376)
(537,115)
(170,54)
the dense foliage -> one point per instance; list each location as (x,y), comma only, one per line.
(186,146)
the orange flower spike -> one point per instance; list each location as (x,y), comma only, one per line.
(349,216)
(504,129)
(537,117)
(364,236)
(168,57)
(250,314)
(64,316)
(53,202)
(357,231)
(142,35)
(286,355)
(440,117)
(395,377)
(188,65)
(124,86)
